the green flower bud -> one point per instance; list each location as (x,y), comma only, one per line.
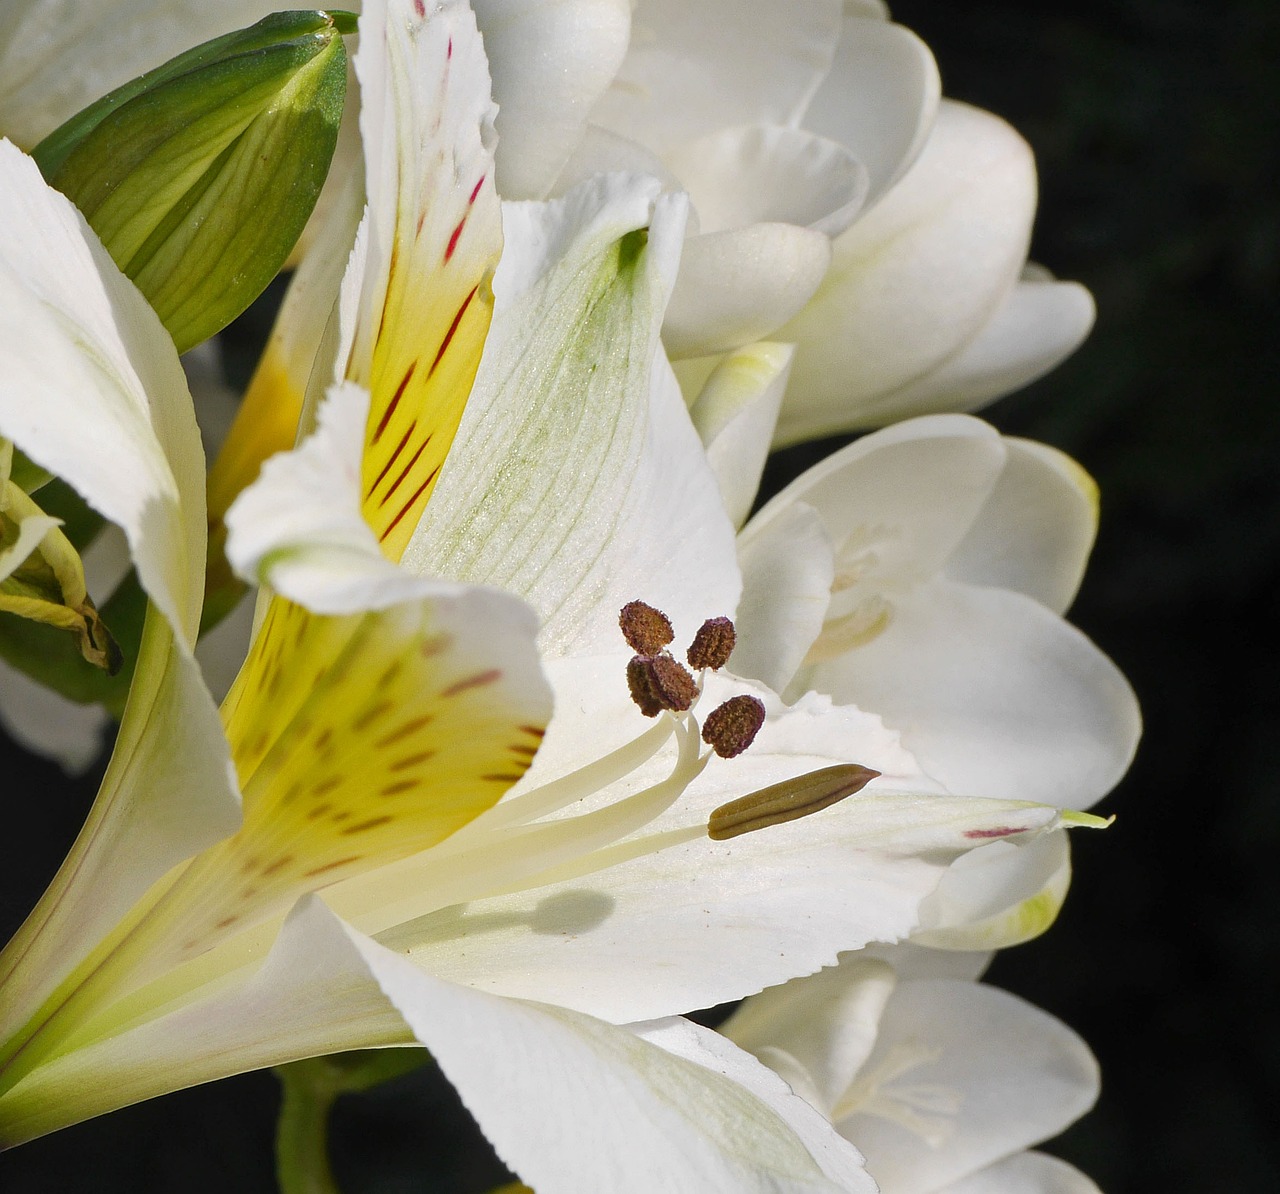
(200,175)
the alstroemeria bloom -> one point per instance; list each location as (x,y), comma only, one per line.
(942,1082)
(922,572)
(371,737)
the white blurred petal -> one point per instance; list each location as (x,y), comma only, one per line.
(695,68)
(1036,530)
(1000,895)
(49,724)
(879,99)
(1025,1173)
(1038,326)
(742,284)
(551,60)
(787,571)
(735,413)
(759,174)
(994,1075)
(994,694)
(916,278)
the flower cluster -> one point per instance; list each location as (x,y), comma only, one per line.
(530,365)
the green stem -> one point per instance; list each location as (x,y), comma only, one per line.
(302,1152)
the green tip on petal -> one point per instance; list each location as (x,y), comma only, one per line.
(1072,819)
(200,175)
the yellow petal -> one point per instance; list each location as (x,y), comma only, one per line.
(436,236)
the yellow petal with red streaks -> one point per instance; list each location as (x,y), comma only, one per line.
(360,740)
(435,236)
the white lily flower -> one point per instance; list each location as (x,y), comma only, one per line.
(942,1082)
(164,954)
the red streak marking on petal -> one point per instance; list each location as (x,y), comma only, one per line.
(331,866)
(475,190)
(479,680)
(503,779)
(405,730)
(403,785)
(409,504)
(404,472)
(1002,831)
(386,468)
(371,823)
(453,327)
(395,400)
(453,240)
(536,731)
(420,9)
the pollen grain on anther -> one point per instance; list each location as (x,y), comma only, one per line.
(730,728)
(646,629)
(712,645)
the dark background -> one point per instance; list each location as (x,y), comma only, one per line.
(1155,127)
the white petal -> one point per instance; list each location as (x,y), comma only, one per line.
(916,278)
(48,73)
(1038,325)
(714,1052)
(169,791)
(50,724)
(735,413)
(910,960)
(787,572)
(298,529)
(736,916)
(93,391)
(1035,533)
(879,99)
(312,994)
(695,68)
(576,1105)
(741,285)
(1025,1173)
(551,60)
(1018,1075)
(827,1022)
(602,152)
(994,694)
(756,174)
(576,479)
(1000,895)
(912,490)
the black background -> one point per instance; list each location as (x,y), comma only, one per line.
(1155,127)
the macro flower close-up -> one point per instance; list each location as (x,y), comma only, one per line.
(490,503)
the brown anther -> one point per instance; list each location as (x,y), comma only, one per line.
(732,727)
(712,645)
(647,630)
(789,800)
(658,682)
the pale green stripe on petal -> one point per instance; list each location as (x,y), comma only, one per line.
(576,479)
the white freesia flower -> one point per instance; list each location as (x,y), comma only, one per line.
(166,952)
(941,1082)
(922,572)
